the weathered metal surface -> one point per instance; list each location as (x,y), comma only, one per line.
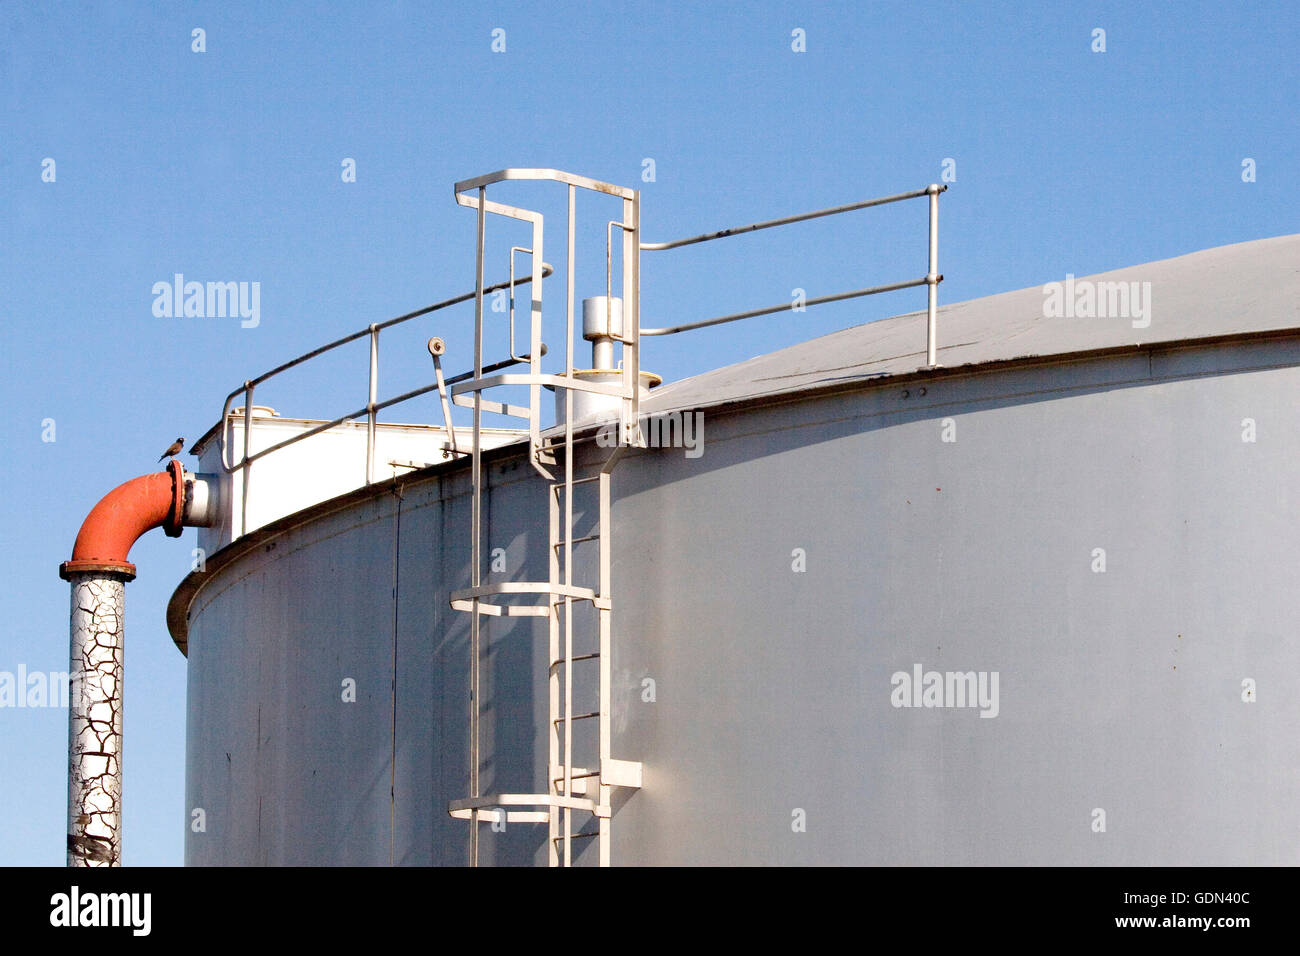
(97,634)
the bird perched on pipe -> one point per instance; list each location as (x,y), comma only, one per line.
(174,450)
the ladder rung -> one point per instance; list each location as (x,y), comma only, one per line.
(577,481)
(575,836)
(594,713)
(585,537)
(575,658)
(578,776)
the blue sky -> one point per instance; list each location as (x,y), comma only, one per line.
(225,165)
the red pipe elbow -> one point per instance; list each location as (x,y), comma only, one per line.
(122,516)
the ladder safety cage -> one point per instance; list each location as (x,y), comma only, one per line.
(571,788)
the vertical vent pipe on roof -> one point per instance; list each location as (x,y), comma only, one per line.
(602,326)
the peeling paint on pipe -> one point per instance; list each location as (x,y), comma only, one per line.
(95,719)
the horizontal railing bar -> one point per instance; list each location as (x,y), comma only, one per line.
(787,306)
(802,217)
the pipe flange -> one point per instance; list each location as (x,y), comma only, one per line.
(125,570)
(174,524)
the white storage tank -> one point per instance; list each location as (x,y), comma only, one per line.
(1032,606)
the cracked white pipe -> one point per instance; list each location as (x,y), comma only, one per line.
(98,572)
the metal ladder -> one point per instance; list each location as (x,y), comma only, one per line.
(574,794)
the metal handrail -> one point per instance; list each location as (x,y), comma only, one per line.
(379,407)
(801,217)
(786,306)
(932,278)
(247,388)
(372,407)
(630,333)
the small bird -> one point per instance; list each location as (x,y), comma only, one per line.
(175,449)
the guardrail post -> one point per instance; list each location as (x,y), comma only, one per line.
(932,280)
(370,404)
(248,431)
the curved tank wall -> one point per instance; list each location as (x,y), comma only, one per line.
(956,523)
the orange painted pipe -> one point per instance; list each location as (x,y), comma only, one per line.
(122,516)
